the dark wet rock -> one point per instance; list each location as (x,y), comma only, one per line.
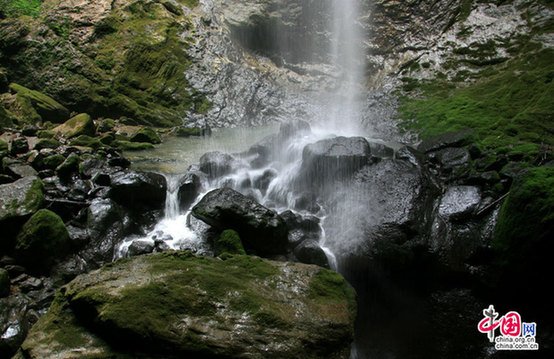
(334,158)
(262,182)
(292,301)
(102,179)
(260,228)
(259,155)
(106,228)
(4,283)
(189,189)
(42,241)
(19,145)
(307,201)
(380,150)
(450,139)
(53,161)
(30,284)
(15,321)
(398,193)
(138,189)
(139,247)
(119,162)
(450,158)
(216,164)
(91,166)
(459,201)
(310,252)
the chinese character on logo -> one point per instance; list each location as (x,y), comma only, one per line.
(488,324)
(511,324)
(529,329)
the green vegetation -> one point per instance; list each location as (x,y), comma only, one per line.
(69,166)
(43,240)
(526,219)
(14,8)
(86,141)
(53,161)
(36,106)
(34,198)
(510,111)
(228,242)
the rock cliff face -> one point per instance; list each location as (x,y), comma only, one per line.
(177,305)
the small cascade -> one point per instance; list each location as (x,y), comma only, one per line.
(174,231)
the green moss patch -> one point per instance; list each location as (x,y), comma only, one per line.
(509,111)
(48,108)
(42,241)
(14,8)
(228,242)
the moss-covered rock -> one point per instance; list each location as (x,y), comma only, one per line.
(132,146)
(81,124)
(69,166)
(46,134)
(86,141)
(53,161)
(46,143)
(21,198)
(146,135)
(228,242)
(47,108)
(190,131)
(178,305)
(3,146)
(4,283)
(42,241)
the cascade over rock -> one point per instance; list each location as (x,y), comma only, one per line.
(193,306)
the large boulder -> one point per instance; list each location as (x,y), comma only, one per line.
(43,240)
(146,135)
(4,283)
(177,305)
(48,108)
(262,229)
(138,189)
(81,124)
(334,158)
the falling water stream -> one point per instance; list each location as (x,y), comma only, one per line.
(340,116)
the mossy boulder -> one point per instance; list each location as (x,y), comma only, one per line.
(81,124)
(228,242)
(176,305)
(146,135)
(42,241)
(3,146)
(21,198)
(4,283)
(47,108)
(69,166)
(46,143)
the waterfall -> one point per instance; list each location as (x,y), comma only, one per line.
(347,57)
(171,210)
